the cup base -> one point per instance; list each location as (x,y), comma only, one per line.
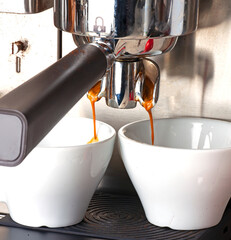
(49,224)
(183,224)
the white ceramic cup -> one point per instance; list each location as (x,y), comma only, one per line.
(53,186)
(184,181)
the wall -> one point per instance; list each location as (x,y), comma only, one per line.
(38,30)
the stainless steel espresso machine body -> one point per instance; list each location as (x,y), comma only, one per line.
(132,30)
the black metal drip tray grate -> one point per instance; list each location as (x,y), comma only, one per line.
(121,217)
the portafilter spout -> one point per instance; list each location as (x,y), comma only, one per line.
(131,81)
(31,110)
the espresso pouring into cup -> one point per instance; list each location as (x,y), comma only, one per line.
(49,187)
(135,30)
(117,52)
(183,181)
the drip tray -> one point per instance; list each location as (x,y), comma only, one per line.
(121,217)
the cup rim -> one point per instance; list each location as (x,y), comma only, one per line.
(122,135)
(84,145)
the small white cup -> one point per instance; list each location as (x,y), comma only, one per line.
(184,181)
(53,186)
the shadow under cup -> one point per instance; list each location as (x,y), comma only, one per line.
(53,186)
(184,180)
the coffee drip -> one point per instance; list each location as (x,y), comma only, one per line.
(147,103)
(93,97)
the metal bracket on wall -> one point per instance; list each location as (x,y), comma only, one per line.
(18,49)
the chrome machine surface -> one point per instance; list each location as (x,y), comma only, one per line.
(132,30)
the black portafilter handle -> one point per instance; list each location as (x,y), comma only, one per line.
(31,110)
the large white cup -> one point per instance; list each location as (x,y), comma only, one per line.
(184,181)
(53,186)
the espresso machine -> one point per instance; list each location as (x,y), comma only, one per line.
(114,45)
(119,42)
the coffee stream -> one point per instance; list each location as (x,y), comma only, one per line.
(93,97)
(147,103)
